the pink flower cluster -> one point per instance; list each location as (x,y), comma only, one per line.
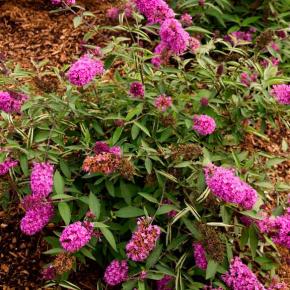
(103,147)
(162,284)
(156,11)
(113,13)
(239,36)
(163,102)
(247,79)
(6,165)
(11,102)
(143,240)
(281,93)
(186,19)
(199,256)
(203,124)
(75,236)
(228,187)
(175,38)
(116,272)
(38,214)
(194,44)
(41,179)
(240,277)
(67,2)
(273,61)
(39,210)
(137,90)
(278,228)
(84,70)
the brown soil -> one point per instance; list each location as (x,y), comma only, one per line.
(30,32)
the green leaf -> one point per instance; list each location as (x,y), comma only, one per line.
(24,164)
(58,183)
(165,209)
(65,212)
(211,269)
(65,168)
(117,134)
(253,239)
(148,197)
(77,21)
(109,237)
(154,257)
(148,165)
(110,187)
(53,251)
(87,253)
(129,285)
(129,211)
(94,205)
(135,131)
(143,128)
(134,112)
(141,285)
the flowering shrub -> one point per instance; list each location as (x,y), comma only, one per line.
(137,159)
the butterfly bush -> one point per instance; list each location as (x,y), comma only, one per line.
(156,11)
(113,13)
(116,272)
(281,93)
(7,165)
(41,179)
(67,2)
(199,256)
(162,284)
(75,236)
(11,102)
(38,214)
(137,90)
(84,70)
(203,124)
(163,102)
(143,240)
(228,187)
(240,277)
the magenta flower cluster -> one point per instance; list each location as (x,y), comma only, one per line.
(6,165)
(137,90)
(281,93)
(199,256)
(162,284)
(247,79)
(75,236)
(228,187)
(116,272)
(203,124)
(11,102)
(67,2)
(174,36)
(103,147)
(113,13)
(278,228)
(240,36)
(38,213)
(143,240)
(85,70)
(41,179)
(240,277)
(156,11)
(186,19)
(163,102)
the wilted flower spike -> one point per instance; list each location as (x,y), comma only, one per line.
(41,179)
(75,236)
(116,272)
(143,240)
(224,184)
(240,277)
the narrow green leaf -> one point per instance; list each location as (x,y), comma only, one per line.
(129,211)
(94,205)
(143,128)
(109,237)
(154,257)
(148,197)
(211,269)
(65,212)
(58,183)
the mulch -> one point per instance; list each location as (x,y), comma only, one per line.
(29,33)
